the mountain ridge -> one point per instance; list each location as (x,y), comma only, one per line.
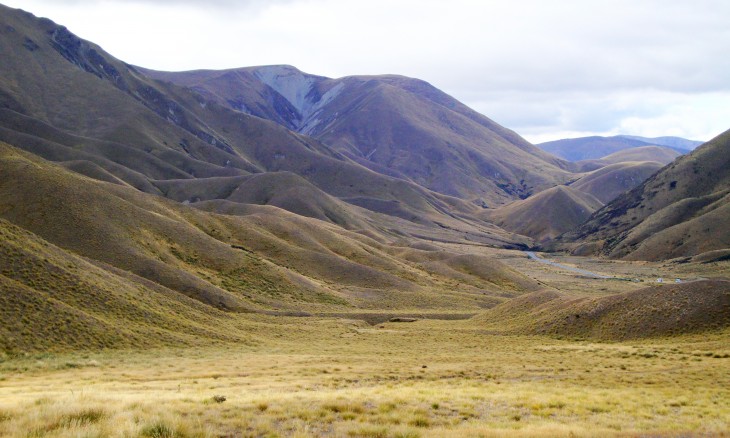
(341,112)
(596,147)
(139,130)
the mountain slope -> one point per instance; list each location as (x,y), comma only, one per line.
(642,153)
(609,182)
(547,214)
(680,211)
(67,100)
(391,124)
(54,300)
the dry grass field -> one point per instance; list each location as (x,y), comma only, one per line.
(339,376)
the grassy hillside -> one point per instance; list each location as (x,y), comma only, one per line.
(547,214)
(680,211)
(655,311)
(609,182)
(261,260)
(56,300)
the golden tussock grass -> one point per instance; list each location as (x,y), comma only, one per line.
(327,378)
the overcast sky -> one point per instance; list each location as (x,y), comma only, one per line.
(546,69)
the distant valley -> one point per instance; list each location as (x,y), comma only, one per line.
(272,232)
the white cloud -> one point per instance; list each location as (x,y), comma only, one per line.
(541,68)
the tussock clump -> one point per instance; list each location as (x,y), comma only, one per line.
(84,417)
(160,430)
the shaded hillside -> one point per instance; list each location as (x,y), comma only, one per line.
(66,100)
(391,124)
(654,311)
(681,211)
(595,147)
(609,182)
(547,214)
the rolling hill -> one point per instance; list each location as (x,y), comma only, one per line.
(656,154)
(680,211)
(561,209)
(672,142)
(654,311)
(547,214)
(80,243)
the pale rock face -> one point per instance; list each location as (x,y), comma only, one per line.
(296,88)
(290,83)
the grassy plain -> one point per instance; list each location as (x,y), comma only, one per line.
(337,377)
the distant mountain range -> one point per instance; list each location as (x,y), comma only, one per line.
(672,142)
(595,147)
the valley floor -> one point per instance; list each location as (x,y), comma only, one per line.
(337,376)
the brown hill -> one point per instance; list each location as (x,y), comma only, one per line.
(680,211)
(391,124)
(651,312)
(659,154)
(547,214)
(285,190)
(55,300)
(57,223)
(608,182)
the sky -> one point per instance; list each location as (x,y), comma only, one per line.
(546,69)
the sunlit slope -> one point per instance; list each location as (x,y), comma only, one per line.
(655,311)
(54,300)
(611,181)
(547,214)
(595,147)
(658,154)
